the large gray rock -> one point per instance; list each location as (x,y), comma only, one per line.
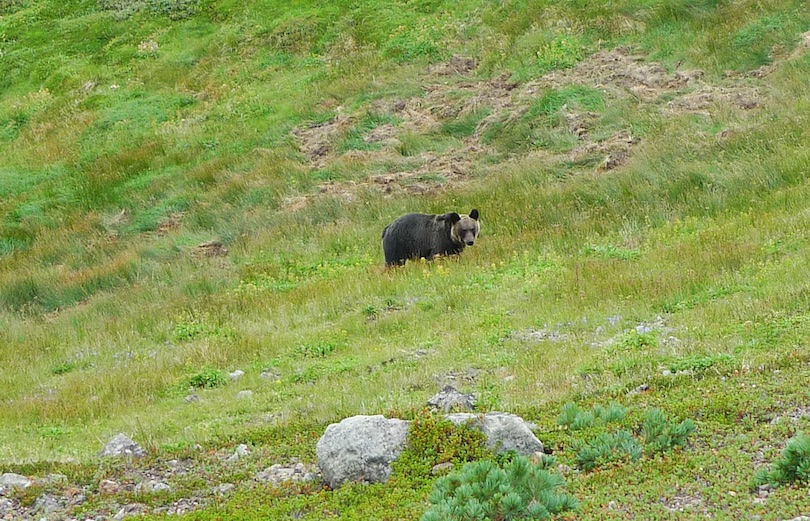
(11,480)
(122,445)
(360,448)
(504,431)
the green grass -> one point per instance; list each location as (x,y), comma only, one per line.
(149,128)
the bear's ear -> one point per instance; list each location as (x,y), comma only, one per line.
(453,217)
(474,214)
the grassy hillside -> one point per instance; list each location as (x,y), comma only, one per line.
(190,187)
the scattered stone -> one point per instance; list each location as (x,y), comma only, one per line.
(503,431)
(245,394)
(449,399)
(223,488)
(6,505)
(360,448)
(181,506)
(133,509)
(46,504)
(469,375)
(539,335)
(240,451)
(11,480)
(269,373)
(109,486)
(191,398)
(278,474)
(236,375)
(151,486)
(122,445)
(643,388)
(441,468)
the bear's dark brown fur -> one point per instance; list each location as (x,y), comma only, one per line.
(420,235)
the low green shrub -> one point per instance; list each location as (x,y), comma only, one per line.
(607,448)
(662,436)
(792,466)
(575,418)
(207,378)
(433,439)
(483,490)
(605,435)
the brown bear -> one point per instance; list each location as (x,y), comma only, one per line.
(420,235)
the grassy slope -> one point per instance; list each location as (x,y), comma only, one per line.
(129,138)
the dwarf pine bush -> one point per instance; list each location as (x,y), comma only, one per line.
(792,466)
(598,440)
(574,418)
(660,435)
(606,448)
(483,490)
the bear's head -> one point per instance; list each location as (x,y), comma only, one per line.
(465,228)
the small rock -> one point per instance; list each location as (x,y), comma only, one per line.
(278,474)
(245,394)
(191,398)
(109,486)
(46,504)
(133,509)
(241,451)
(643,388)
(449,399)
(236,375)
(223,488)
(441,468)
(151,486)
(11,480)
(122,445)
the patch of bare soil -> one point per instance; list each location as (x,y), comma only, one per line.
(708,96)
(617,150)
(460,65)
(169,224)
(316,140)
(434,171)
(684,501)
(619,68)
(451,93)
(212,248)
